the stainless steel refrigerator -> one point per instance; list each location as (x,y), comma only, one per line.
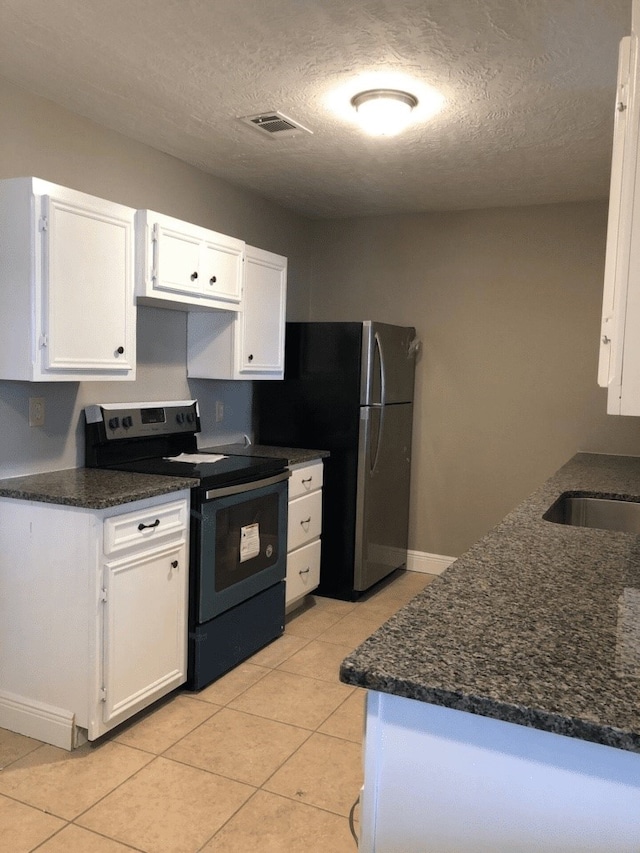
(348,388)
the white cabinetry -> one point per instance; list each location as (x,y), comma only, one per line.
(619,366)
(472,783)
(249,344)
(303,531)
(93,613)
(184,266)
(66,284)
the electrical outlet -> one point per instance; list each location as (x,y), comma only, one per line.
(36,411)
(219,411)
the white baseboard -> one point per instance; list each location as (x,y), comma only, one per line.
(431,564)
(37,720)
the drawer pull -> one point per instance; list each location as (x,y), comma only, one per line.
(305,521)
(142,526)
(308,480)
(174,564)
(304,571)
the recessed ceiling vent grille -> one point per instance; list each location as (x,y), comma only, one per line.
(275,124)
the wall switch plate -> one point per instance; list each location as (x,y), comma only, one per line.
(36,411)
(219,411)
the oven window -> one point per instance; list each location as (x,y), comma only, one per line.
(246,539)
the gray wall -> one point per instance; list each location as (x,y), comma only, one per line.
(507,304)
(39,138)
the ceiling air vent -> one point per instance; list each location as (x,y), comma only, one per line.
(275,124)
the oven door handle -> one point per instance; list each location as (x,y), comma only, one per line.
(239,488)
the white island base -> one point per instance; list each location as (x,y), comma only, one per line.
(444,781)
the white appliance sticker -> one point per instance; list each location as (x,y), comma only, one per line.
(249,542)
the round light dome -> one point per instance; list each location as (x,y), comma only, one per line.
(384,112)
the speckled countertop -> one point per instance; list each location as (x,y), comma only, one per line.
(91,488)
(294,455)
(537,624)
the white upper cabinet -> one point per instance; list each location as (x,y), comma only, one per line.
(619,365)
(66,284)
(186,267)
(248,344)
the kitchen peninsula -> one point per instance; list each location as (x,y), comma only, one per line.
(504,704)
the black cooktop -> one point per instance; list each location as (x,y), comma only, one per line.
(224,472)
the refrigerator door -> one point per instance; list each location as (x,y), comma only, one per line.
(388,364)
(382,501)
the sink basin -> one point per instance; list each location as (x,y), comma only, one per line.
(603,513)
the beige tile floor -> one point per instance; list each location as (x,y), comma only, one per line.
(265,759)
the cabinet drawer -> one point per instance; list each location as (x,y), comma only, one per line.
(305,479)
(145,526)
(303,570)
(305,520)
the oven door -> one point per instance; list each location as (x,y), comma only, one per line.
(243,543)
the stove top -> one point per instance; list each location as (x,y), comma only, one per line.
(145,438)
(224,472)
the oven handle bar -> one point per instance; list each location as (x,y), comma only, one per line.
(211,494)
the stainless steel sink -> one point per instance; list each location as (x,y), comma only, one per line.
(603,513)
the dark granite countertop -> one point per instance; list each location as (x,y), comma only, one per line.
(294,455)
(91,488)
(537,624)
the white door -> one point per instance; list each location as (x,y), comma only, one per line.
(221,269)
(176,260)
(87,286)
(144,629)
(261,339)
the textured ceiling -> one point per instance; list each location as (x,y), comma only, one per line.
(529,87)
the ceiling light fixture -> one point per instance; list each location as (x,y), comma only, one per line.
(384,112)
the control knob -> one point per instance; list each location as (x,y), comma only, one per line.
(190,417)
(180,417)
(114,423)
(127,421)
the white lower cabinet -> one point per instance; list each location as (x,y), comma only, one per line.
(303,532)
(93,614)
(143,629)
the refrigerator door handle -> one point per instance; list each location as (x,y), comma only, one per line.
(380,362)
(374,428)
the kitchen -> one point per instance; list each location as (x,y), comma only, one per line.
(508,300)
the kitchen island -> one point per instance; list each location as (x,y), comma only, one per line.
(504,704)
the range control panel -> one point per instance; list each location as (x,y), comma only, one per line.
(140,420)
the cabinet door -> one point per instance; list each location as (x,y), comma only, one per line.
(88,314)
(144,629)
(260,342)
(176,260)
(221,269)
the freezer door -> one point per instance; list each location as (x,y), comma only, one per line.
(388,364)
(382,503)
